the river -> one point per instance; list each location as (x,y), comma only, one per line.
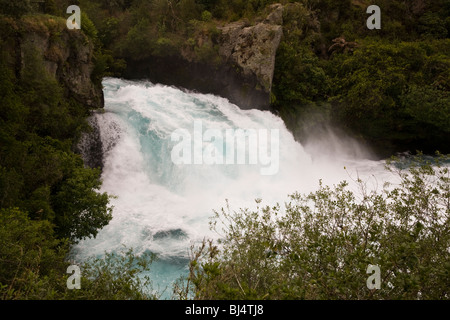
(169,160)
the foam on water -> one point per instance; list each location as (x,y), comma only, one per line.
(163,207)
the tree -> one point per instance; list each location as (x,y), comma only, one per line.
(428,104)
(31,258)
(374,93)
(80,210)
(33,265)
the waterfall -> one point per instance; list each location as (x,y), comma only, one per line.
(163,206)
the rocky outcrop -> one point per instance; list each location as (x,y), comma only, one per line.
(244,74)
(67,55)
(253,48)
(90,145)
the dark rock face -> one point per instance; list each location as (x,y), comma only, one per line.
(253,48)
(245,74)
(68,57)
(90,146)
(223,81)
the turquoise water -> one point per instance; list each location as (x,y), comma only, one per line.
(165,207)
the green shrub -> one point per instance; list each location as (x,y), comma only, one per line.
(88,27)
(33,265)
(319,246)
(31,258)
(206,16)
(116,276)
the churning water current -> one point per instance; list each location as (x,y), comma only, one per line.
(164,207)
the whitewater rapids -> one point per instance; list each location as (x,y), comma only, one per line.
(163,207)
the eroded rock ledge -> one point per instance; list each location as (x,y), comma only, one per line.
(67,55)
(245,73)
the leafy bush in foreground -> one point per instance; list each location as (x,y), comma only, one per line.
(33,265)
(116,276)
(319,246)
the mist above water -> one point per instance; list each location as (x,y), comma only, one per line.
(163,207)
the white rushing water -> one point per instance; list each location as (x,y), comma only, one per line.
(163,207)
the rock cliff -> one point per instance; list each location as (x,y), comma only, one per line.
(253,48)
(67,55)
(244,74)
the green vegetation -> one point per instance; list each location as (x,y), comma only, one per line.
(48,199)
(366,80)
(116,276)
(388,87)
(369,82)
(15,8)
(319,246)
(33,265)
(31,257)
(40,174)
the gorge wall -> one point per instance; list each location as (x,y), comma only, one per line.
(244,74)
(67,55)
(46,45)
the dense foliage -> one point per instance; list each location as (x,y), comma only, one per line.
(319,246)
(388,87)
(48,198)
(33,265)
(39,172)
